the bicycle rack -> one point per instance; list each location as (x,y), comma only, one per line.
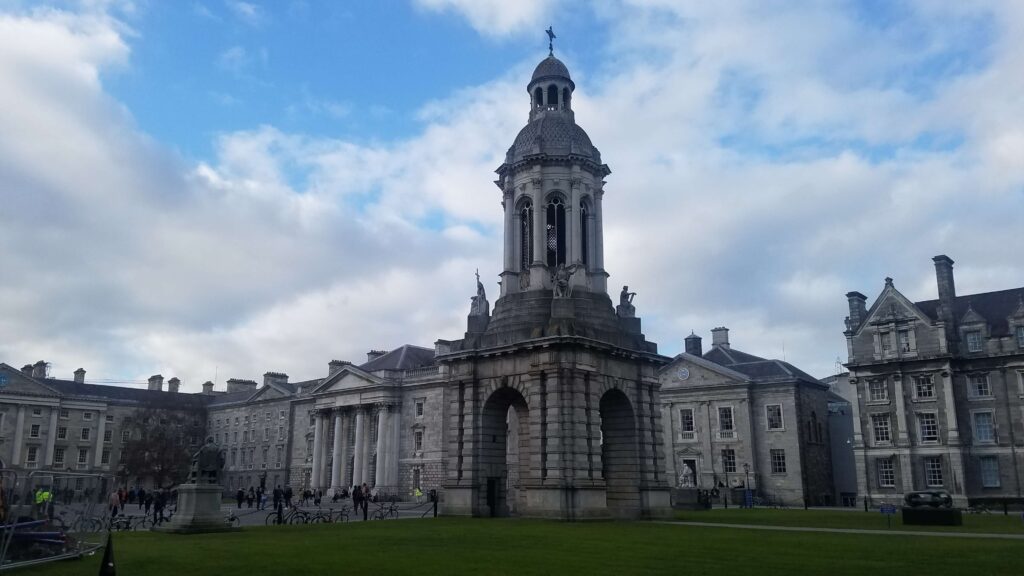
(28,532)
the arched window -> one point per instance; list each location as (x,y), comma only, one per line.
(525,234)
(552,97)
(555,241)
(584,234)
(565,98)
(538,97)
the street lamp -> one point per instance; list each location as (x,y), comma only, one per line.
(747,495)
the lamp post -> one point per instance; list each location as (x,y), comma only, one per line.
(747,498)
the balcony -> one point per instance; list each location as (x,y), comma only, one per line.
(726,435)
(687,435)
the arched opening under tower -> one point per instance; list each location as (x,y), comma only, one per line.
(504,453)
(619,455)
(552,97)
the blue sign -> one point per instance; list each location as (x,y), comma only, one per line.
(888,509)
(3,380)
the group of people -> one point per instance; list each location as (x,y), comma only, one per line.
(156,500)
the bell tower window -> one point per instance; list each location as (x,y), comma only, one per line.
(565,98)
(538,97)
(525,235)
(584,234)
(552,97)
(555,232)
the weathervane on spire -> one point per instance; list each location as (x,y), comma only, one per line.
(551,43)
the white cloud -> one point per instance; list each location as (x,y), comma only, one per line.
(247,12)
(495,17)
(765,161)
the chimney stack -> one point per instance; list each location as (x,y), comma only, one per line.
(720,337)
(156,382)
(274,378)
(207,387)
(39,369)
(238,385)
(80,375)
(26,369)
(335,366)
(692,345)
(173,384)
(858,308)
(944,278)
(374,354)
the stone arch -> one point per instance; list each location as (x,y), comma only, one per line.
(552,101)
(538,97)
(504,452)
(555,214)
(524,232)
(620,462)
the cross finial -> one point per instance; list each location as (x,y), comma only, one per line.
(551,43)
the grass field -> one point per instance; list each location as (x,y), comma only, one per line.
(974,523)
(483,546)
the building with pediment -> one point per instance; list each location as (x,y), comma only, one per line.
(733,420)
(940,391)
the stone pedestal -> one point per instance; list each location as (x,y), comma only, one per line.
(198,511)
(477,324)
(562,308)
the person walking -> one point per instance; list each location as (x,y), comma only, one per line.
(366,499)
(288,496)
(148,503)
(251,496)
(142,497)
(240,496)
(114,503)
(159,501)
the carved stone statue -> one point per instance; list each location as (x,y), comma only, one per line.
(686,479)
(207,464)
(479,305)
(560,280)
(625,309)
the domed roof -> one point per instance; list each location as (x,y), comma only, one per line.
(550,66)
(552,134)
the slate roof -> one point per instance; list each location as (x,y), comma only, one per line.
(231,397)
(407,357)
(556,134)
(995,307)
(120,393)
(758,369)
(550,66)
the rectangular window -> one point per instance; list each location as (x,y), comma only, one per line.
(245,436)
(929,424)
(108,435)
(277,463)
(419,408)
(110,418)
(236,435)
(924,387)
(886,473)
(878,391)
(729,460)
(880,424)
(280,432)
(417,441)
(905,344)
(266,417)
(33,453)
(83,455)
(62,433)
(886,338)
(58,457)
(280,415)
(774,413)
(979,387)
(974,341)
(686,427)
(33,432)
(85,434)
(990,472)
(266,433)
(984,428)
(86,415)
(126,435)
(37,411)
(778,458)
(105,457)
(725,424)
(933,471)
(1020,336)
(236,420)
(65,414)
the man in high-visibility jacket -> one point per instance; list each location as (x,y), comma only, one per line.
(43,499)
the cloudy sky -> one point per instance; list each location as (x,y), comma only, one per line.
(224,188)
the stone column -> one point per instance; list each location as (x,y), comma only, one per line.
(346,425)
(382,442)
(357,462)
(98,456)
(572,223)
(598,229)
(51,435)
(539,221)
(336,464)
(508,201)
(956,461)
(903,437)
(394,446)
(19,436)
(325,449)
(314,476)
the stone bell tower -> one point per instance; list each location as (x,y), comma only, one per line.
(553,399)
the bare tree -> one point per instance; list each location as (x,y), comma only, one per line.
(161,444)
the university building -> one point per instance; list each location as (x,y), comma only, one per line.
(940,391)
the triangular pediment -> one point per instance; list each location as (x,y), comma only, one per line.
(892,306)
(972,317)
(269,392)
(12,381)
(689,370)
(348,378)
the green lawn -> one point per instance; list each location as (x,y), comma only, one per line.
(979,523)
(480,546)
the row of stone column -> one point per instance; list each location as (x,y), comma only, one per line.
(337,453)
(51,438)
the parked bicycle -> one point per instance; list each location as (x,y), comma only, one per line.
(386,510)
(292,516)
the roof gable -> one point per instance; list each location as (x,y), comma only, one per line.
(348,378)
(687,370)
(12,381)
(890,306)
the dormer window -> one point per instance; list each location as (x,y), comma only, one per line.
(974,341)
(886,338)
(906,342)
